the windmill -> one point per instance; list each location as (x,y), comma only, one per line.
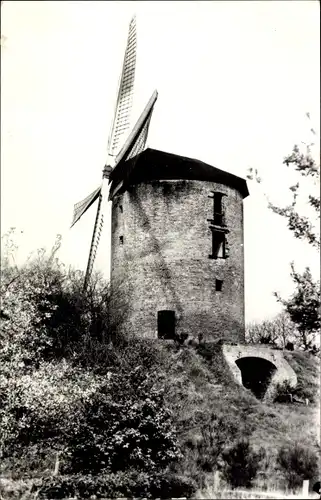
(118,150)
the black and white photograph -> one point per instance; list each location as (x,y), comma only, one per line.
(160,250)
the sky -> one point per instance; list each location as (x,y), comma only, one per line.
(235,80)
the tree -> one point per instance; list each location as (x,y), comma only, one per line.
(277,331)
(301,160)
(303,306)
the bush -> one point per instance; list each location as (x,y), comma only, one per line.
(46,313)
(64,386)
(283,392)
(241,464)
(122,484)
(124,424)
(297,463)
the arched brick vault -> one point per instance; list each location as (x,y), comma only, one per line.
(255,366)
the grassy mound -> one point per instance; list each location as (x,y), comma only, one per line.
(205,399)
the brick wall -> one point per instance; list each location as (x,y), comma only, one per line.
(162,261)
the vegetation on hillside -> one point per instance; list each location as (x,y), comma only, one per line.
(84,411)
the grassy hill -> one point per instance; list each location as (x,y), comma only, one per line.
(201,386)
(210,410)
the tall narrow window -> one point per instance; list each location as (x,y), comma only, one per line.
(218,213)
(218,244)
(166,324)
(121,240)
(218,209)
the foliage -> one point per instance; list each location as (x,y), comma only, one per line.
(304,307)
(303,227)
(211,445)
(98,405)
(55,393)
(277,331)
(283,391)
(138,431)
(121,484)
(297,462)
(307,369)
(241,464)
(44,309)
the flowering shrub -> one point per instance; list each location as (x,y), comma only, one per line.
(99,412)
(119,428)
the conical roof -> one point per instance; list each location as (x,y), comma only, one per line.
(153,164)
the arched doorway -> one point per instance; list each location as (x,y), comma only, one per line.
(256,374)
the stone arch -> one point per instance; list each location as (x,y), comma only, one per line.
(256,374)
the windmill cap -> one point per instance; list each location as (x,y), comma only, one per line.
(153,164)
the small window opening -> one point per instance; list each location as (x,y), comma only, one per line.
(219,285)
(218,245)
(166,324)
(121,240)
(121,208)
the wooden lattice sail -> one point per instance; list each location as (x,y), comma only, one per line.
(118,150)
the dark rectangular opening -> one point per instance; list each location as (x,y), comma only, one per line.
(166,324)
(121,239)
(121,208)
(219,285)
(218,213)
(218,245)
(218,209)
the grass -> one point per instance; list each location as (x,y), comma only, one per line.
(210,493)
(200,385)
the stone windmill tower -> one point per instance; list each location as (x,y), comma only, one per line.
(177,264)
(177,260)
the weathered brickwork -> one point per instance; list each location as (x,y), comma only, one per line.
(161,242)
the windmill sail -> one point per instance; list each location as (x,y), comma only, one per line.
(120,125)
(121,122)
(134,145)
(81,207)
(99,222)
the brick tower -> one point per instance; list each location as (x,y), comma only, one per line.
(177,258)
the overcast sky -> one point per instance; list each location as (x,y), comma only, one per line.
(235,80)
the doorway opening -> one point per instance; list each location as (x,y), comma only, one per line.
(166,324)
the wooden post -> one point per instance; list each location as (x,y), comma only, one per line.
(216,480)
(305,488)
